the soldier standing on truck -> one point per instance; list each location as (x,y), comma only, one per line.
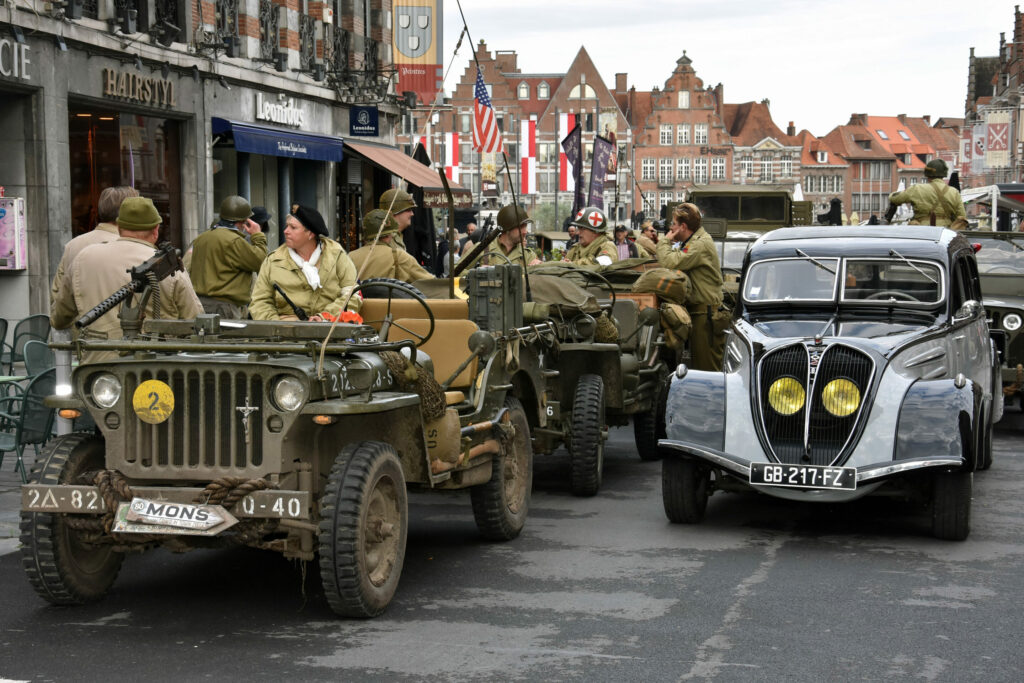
(385,259)
(102,269)
(696,256)
(935,203)
(225,258)
(594,248)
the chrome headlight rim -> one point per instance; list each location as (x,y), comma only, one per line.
(1011,322)
(105,390)
(288,393)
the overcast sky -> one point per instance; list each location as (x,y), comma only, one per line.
(816,61)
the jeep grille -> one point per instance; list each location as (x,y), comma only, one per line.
(812,435)
(205,432)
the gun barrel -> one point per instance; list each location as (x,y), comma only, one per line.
(299,312)
(107,304)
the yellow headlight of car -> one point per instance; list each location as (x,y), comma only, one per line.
(786,396)
(841,397)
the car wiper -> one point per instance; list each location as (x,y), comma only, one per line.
(893,252)
(815,261)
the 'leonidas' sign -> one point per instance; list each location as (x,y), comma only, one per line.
(125,85)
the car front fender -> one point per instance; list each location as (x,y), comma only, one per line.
(937,419)
(695,410)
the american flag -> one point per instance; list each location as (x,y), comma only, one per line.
(486,136)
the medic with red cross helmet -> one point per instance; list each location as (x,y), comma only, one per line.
(594,248)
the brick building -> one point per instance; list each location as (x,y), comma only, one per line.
(762,153)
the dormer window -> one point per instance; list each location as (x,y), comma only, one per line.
(524,91)
(822,157)
(543,91)
(865,144)
(881,134)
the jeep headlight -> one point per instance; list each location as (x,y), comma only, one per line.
(289,393)
(786,395)
(106,390)
(841,397)
(1011,322)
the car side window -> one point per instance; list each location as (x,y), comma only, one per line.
(960,285)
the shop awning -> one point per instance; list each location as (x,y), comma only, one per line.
(413,172)
(279,142)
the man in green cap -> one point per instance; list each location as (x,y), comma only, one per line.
(400,205)
(384,259)
(934,202)
(509,245)
(102,269)
(225,258)
(594,247)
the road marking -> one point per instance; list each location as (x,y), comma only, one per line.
(8,546)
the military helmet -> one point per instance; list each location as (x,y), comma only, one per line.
(235,209)
(591,218)
(396,201)
(936,168)
(372,224)
(512,216)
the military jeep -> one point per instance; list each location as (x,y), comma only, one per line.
(295,437)
(758,208)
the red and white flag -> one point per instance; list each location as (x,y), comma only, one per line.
(486,136)
(451,156)
(566,181)
(528,155)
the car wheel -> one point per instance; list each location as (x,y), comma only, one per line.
(951,505)
(500,506)
(685,487)
(363,526)
(649,426)
(586,439)
(62,564)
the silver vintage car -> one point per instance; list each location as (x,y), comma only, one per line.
(859,361)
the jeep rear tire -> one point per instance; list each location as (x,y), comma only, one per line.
(649,426)
(500,506)
(586,438)
(363,527)
(951,505)
(61,565)
(685,488)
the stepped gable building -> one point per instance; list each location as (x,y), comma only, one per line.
(762,153)
(680,138)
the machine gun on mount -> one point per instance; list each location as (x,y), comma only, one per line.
(144,278)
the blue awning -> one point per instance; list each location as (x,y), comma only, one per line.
(279,142)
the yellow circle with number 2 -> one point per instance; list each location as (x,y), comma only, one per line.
(153,401)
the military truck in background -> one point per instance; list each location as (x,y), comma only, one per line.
(754,208)
(295,437)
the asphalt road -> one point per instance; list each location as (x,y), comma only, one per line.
(596,589)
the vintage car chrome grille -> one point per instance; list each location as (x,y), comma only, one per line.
(812,435)
(206,430)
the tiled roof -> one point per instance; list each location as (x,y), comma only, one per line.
(841,140)
(750,122)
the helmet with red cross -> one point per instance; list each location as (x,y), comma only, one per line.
(592,218)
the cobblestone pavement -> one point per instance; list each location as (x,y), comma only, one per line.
(10,481)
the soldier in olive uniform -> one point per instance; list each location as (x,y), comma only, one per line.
(225,258)
(101,269)
(594,248)
(696,256)
(384,259)
(509,245)
(934,202)
(401,204)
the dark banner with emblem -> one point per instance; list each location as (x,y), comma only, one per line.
(604,150)
(573,146)
(363,121)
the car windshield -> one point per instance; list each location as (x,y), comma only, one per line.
(895,279)
(791,279)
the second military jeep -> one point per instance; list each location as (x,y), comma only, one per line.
(293,437)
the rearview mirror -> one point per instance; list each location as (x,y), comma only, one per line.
(969,309)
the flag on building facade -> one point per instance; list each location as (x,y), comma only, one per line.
(528,156)
(451,156)
(997,141)
(572,145)
(604,149)
(979,137)
(486,136)
(566,178)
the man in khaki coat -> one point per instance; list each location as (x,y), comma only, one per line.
(101,269)
(509,245)
(226,257)
(105,231)
(384,259)
(594,248)
(401,205)
(696,256)
(934,199)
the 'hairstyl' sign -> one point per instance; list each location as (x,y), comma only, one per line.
(14,59)
(283,111)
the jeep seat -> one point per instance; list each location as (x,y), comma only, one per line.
(374,310)
(448,347)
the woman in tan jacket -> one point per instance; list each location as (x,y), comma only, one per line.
(313,270)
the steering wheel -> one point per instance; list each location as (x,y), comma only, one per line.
(408,292)
(588,275)
(891,294)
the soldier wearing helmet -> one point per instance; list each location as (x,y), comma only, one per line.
(509,245)
(225,258)
(400,204)
(594,248)
(934,202)
(379,256)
